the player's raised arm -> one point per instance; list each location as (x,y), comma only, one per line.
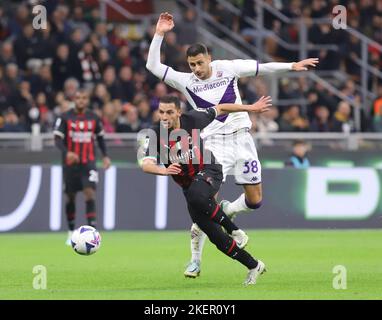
(165,23)
(167,74)
(262,105)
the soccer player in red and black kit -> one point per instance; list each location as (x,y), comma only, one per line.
(74,135)
(176,145)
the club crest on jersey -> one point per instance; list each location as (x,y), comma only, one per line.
(219,74)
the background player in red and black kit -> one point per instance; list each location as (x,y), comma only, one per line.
(74,135)
(178,147)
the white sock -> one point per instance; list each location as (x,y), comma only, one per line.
(237,206)
(198,238)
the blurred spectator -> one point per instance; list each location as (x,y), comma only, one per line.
(71,86)
(104,60)
(45,115)
(342,121)
(4,25)
(110,81)
(27,46)
(130,122)
(376,111)
(267,121)
(60,24)
(186,28)
(320,122)
(299,159)
(144,112)
(23,101)
(109,117)
(100,97)
(62,66)
(78,22)
(291,120)
(7,54)
(12,122)
(126,85)
(43,82)
(5,92)
(123,58)
(89,66)
(159,92)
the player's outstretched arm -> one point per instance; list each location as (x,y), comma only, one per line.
(262,105)
(150,166)
(278,67)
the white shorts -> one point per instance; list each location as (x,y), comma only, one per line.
(237,154)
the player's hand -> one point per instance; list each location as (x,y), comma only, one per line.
(304,64)
(173,169)
(165,23)
(72,158)
(106,162)
(262,105)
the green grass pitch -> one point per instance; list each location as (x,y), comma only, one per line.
(150,265)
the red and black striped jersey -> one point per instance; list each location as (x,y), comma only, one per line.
(183,146)
(78,131)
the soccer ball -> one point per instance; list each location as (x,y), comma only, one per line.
(86,240)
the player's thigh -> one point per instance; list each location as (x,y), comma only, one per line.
(248,166)
(223,151)
(72,179)
(89,176)
(201,191)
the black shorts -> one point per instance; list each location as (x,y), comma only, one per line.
(213,175)
(80,176)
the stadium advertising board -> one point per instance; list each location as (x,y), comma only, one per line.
(127,199)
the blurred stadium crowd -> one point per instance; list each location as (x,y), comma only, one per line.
(40,70)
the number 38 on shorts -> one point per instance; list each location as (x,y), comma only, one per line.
(248,172)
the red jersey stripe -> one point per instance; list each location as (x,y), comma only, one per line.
(91,144)
(77,144)
(68,137)
(85,144)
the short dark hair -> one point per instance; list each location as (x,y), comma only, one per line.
(195,49)
(170,99)
(298,142)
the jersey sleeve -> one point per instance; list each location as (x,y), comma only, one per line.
(175,79)
(243,68)
(201,118)
(99,131)
(60,127)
